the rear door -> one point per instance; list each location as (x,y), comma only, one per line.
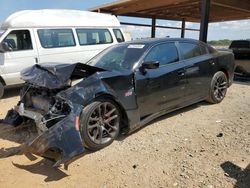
(198,68)
(163,87)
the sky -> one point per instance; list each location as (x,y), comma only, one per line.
(222,30)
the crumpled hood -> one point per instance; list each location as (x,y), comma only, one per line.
(55,76)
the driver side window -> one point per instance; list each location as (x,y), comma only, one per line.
(19,40)
(164,53)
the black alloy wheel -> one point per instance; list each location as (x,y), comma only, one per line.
(100,124)
(218,88)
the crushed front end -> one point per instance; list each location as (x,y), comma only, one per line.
(56,122)
(56,118)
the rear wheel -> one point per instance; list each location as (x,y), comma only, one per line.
(218,88)
(100,124)
(1,90)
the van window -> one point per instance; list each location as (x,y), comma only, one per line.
(118,35)
(189,50)
(164,53)
(94,36)
(19,40)
(56,38)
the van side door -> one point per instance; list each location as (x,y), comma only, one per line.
(22,54)
(92,41)
(56,45)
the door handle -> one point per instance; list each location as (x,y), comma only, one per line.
(212,62)
(181,73)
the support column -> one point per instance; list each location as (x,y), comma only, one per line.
(183,26)
(205,10)
(153,28)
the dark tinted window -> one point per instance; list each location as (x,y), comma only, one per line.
(204,49)
(211,50)
(19,40)
(189,50)
(118,35)
(164,53)
(240,44)
(55,38)
(94,36)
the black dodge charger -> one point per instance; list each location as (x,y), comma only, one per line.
(79,107)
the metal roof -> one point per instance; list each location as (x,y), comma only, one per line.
(190,10)
(58,18)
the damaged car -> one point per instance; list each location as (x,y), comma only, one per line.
(80,107)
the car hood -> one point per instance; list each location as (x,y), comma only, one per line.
(57,76)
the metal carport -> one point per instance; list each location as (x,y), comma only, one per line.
(202,11)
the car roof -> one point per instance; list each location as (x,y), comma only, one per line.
(153,41)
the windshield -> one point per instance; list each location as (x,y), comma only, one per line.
(119,57)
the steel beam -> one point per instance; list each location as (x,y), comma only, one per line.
(153,28)
(205,10)
(183,26)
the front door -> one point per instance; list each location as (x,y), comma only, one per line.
(164,87)
(22,55)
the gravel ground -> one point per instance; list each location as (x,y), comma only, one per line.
(199,146)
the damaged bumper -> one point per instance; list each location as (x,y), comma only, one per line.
(61,143)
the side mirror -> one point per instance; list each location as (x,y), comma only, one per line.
(149,65)
(4,47)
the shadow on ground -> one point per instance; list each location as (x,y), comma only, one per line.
(166,116)
(23,134)
(43,167)
(11,92)
(242,176)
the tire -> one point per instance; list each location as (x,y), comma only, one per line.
(1,90)
(100,124)
(218,88)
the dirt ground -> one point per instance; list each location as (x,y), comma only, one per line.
(199,146)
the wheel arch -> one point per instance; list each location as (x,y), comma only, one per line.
(2,81)
(225,72)
(124,119)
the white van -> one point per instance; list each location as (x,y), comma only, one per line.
(61,36)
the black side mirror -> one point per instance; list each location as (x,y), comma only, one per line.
(4,47)
(149,65)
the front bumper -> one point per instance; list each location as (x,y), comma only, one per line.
(61,143)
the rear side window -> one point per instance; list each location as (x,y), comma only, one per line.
(19,40)
(94,36)
(204,49)
(189,50)
(56,38)
(164,53)
(118,35)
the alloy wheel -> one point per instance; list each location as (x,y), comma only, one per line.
(103,123)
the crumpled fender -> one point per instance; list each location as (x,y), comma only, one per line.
(64,136)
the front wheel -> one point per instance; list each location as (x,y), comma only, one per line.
(100,124)
(218,88)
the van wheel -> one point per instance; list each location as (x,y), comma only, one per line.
(1,90)
(218,88)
